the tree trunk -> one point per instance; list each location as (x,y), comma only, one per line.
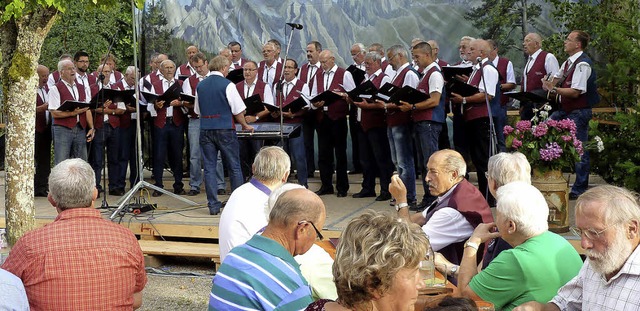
(20,45)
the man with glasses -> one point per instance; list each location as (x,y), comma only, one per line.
(262,273)
(608,224)
(237,62)
(270,69)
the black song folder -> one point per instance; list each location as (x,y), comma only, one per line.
(366,88)
(356,73)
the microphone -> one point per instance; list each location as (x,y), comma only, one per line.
(295,26)
(479,59)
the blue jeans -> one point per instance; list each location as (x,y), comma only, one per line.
(219,172)
(581,117)
(295,149)
(69,143)
(426,134)
(402,157)
(110,137)
(225,141)
(195,155)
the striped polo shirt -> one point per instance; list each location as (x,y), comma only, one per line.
(262,275)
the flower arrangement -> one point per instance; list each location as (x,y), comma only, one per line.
(549,145)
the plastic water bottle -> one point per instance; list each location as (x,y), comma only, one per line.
(427,268)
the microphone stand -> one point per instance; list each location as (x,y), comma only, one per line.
(279,94)
(492,130)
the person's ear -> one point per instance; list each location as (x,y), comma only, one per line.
(632,229)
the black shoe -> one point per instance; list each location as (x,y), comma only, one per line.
(42,193)
(354,172)
(179,191)
(573,196)
(221,192)
(156,193)
(364,194)
(310,175)
(385,195)
(341,194)
(116,192)
(193,193)
(214,211)
(324,191)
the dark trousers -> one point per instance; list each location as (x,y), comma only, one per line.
(460,140)
(128,155)
(478,136)
(375,158)
(354,128)
(109,137)
(332,141)
(42,158)
(249,148)
(308,132)
(168,141)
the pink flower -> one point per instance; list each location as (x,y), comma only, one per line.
(552,123)
(566,138)
(578,145)
(523,125)
(507,129)
(567,124)
(540,130)
(516,143)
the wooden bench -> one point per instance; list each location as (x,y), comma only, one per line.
(185,249)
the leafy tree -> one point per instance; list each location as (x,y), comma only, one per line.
(24,25)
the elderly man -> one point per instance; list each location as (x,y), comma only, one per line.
(576,90)
(608,222)
(243,216)
(42,151)
(270,69)
(358,50)
(475,113)
(539,263)
(187,69)
(110,59)
(384,63)
(539,64)
(168,130)
(71,129)
(458,209)
(332,125)
(80,261)
(219,104)
(54,77)
(127,143)
(262,274)
(435,48)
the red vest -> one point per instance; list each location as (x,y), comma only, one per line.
(423,86)
(125,119)
(238,66)
(502,72)
(184,70)
(258,89)
(304,70)
(93,84)
(160,119)
(41,118)
(372,118)
(384,65)
(70,122)
(114,120)
(117,75)
(294,94)
(261,71)
(338,109)
(442,63)
(56,76)
(397,117)
(476,110)
(570,104)
(536,73)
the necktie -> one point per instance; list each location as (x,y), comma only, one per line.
(527,66)
(312,71)
(248,91)
(326,84)
(73,92)
(568,65)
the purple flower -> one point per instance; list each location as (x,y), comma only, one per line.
(567,124)
(507,129)
(552,123)
(578,145)
(540,130)
(523,125)
(516,143)
(566,138)
(551,152)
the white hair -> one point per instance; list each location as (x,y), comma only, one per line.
(275,194)
(523,204)
(71,184)
(504,168)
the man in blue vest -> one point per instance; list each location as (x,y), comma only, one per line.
(575,87)
(218,104)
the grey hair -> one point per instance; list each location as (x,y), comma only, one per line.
(398,50)
(271,164)
(619,205)
(275,194)
(452,161)
(467,38)
(292,206)
(218,63)
(63,62)
(71,184)
(130,70)
(363,50)
(166,61)
(374,56)
(505,167)
(523,204)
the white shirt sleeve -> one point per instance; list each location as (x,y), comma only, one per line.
(551,64)
(186,88)
(491,77)
(436,83)
(235,100)
(446,226)
(511,76)
(347,81)
(268,95)
(54,98)
(196,106)
(411,79)
(580,77)
(50,81)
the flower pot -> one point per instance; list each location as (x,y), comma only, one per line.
(555,189)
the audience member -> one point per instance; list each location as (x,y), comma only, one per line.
(539,263)
(12,294)
(455,304)
(80,261)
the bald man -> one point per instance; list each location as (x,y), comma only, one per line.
(539,64)
(475,112)
(187,69)
(42,152)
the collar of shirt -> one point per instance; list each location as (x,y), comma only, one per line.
(317,65)
(71,85)
(374,75)
(535,54)
(628,268)
(274,248)
(446,194)
(215,73)
(250,84)
(495,61)
(78,212)
(574,57)
(274,65)
(333,70)
(383,59)
(126,85)
(402,67)
(292,82)
(434,64)
(165,80)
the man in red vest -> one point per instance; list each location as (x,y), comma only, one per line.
(127,144)
(71,129)
(237,62)
(307,74)
(187,69)
(42,150)
(111,60)
(54,77)
(539,64)
(270,69)
(507,80)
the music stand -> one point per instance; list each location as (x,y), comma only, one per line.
(141,183)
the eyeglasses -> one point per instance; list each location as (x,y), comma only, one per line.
(318,234)
(590,234)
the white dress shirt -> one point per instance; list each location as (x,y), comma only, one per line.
(446,226)
(233,97)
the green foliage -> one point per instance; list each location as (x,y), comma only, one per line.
(619,163)
(614,47)
(20,67)
(15,9)
(492,16)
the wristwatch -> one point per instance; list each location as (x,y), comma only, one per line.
(471,244)
(464,100)
(413,107)
(401,205)
(257,118)
(453,270)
